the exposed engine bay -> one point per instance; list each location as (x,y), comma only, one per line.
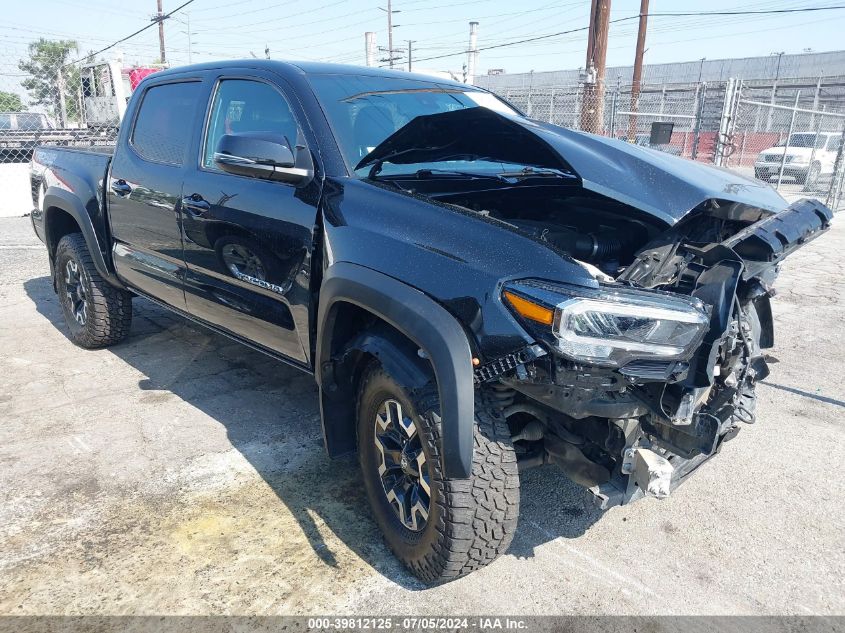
(589,228)
(636,415)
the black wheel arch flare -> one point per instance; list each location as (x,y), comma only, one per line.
(424,322)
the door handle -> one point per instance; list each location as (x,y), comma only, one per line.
(121,187)
(195,205)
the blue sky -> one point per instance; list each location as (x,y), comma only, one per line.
(333,30)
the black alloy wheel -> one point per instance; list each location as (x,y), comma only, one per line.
(402,465)
(76,296)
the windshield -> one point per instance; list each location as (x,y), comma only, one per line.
(30,121)
(363,111)
(803,140)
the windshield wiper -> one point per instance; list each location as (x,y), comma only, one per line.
(507,176)
(427,173)
(536,172)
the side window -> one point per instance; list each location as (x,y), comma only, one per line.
(241,105)
(164,123)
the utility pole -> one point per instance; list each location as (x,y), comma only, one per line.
(410,57)
(390,11)
(160,19)
(190,43)
(389,34)
(592,105)
(638,72)
(370,48)
(472,53)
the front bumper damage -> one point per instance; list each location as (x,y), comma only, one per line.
(642,429)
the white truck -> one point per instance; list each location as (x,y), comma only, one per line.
(809,156)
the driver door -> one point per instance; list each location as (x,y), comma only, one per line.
(248,240)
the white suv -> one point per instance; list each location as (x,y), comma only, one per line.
(808,156)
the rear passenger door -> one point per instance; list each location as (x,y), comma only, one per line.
(145,186)
(248,241)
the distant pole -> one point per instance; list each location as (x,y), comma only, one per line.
(472,53)
(188,24)
(592,105)
(370,48)
(638,72)
(410,57)
(160,19)
(389,34)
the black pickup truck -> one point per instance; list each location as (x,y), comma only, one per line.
(475,292)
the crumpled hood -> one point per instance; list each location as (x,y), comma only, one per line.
(658,183)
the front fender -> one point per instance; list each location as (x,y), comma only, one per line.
(429,326)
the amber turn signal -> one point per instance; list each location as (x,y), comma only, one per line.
(529,309)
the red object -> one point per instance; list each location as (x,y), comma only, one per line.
(137,74)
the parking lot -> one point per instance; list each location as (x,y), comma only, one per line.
(181,473)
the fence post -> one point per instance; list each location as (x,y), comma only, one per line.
(815,146)
(836,180)
(770,118)
(699,113)
(614,96)
(788,138)
(60,85)
(725,122)
(552,107)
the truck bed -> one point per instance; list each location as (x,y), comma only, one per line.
(79,171)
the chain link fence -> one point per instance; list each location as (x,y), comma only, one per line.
(744,126)
(788,133)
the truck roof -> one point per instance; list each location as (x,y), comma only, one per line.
(287,68)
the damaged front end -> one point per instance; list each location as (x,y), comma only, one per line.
(651,373)
(642,372)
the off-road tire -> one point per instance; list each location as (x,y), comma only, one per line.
(108,309)
(471,521)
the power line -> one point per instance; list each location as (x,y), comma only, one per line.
(131,35)
(744,12)
(637,17)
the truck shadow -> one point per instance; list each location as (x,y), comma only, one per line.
(271,415)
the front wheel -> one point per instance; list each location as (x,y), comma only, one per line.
(439,528)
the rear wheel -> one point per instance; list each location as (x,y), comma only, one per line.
(97,314)
(439,528)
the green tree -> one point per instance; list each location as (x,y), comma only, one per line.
(10,102)
(49,77)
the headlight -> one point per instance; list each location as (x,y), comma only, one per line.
(610,326)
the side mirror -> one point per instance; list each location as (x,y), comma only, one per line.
(259,155)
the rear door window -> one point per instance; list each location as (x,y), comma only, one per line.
(165,121)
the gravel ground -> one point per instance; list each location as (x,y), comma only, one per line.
(181,473)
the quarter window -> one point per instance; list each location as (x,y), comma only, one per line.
(163,127)
(248,106)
